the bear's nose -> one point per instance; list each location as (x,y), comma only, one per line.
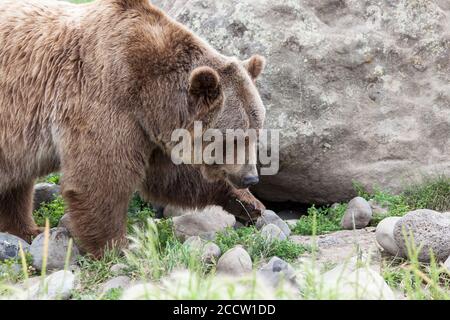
(249,180)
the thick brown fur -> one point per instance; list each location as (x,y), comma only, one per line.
(94,91)
(184,186)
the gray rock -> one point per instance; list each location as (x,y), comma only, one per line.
(278,271)
(430,231)
(357,215)
(271,232)
(58,246)
(235,261)
(211,253)
(385,235)
(204,223)
(359,89)
(121,282)
(58,285)
(64,222)
(45,193)
(270,217)
(118,268)
(195,243)
(9,246)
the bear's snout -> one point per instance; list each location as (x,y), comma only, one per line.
(249,180)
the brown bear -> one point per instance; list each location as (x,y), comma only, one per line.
(95,91)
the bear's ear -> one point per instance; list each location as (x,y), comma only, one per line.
(204,82)
(255,65)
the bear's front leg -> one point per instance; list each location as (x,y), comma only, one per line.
(97,218)
(97,187)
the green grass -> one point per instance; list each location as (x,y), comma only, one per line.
(416,280)
(113,294)
(396,205)
(138,212)
(154,252)
(94,273)
(257,246)
(11,269)
(53,178)
(52,211)
(433,193)
(320,220)
(286,250)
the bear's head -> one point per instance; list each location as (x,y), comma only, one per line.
(173,79)
(223,134)
(241,115)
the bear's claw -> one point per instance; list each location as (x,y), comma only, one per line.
(245,206)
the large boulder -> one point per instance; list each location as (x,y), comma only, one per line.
(359,89)
(426,231)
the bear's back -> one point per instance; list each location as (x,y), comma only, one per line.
(37,40)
